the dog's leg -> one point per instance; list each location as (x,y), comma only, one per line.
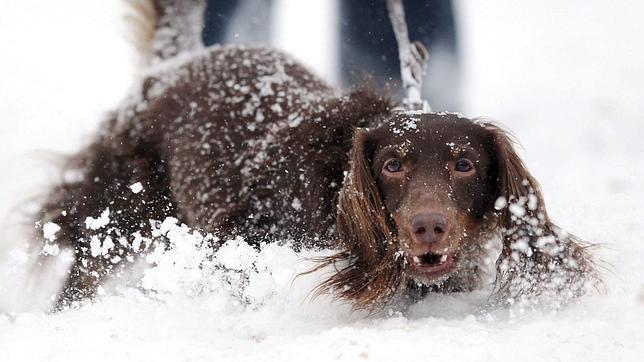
(121,186)
(537,256)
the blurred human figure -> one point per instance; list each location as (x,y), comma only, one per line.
(366,40)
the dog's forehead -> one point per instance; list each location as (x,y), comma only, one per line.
(432,129)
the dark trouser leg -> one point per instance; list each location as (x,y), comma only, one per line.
(368,45)
(237,22)
(216,18)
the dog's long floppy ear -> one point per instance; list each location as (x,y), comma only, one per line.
(361,222)
(368,272)
(537,256)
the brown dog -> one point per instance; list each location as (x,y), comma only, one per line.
(237,140)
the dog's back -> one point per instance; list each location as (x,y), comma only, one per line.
(246,134)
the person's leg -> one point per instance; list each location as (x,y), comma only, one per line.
(433,23)
(216,20)
(368,45)
(237,21)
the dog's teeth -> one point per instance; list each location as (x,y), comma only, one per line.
(416,260)
(443,258)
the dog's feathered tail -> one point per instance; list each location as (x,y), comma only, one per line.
(161,29)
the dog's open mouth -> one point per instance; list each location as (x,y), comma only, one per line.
(431,265)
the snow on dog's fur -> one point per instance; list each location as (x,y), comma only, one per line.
(245,141)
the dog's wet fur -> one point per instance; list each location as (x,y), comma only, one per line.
(245,141)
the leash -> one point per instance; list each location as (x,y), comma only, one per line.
(412,60)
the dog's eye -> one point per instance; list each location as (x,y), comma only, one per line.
(393,166)
(463,165)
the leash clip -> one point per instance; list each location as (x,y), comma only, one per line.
(412,56)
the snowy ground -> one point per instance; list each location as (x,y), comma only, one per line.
(566,77)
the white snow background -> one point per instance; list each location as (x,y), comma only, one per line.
(566,76)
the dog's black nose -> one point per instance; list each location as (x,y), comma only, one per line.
(429,227)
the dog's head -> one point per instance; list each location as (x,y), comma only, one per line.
(422,192)
(437,177)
